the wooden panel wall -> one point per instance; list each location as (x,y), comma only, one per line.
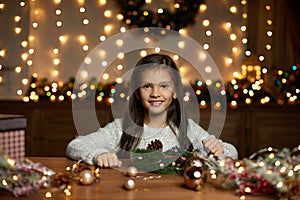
(50,126)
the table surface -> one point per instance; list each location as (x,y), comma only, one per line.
(110,187)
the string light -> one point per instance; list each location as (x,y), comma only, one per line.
(109,27)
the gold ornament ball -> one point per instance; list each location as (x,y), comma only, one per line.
(194,161)
(86,177)
(194,177)
(132,171)
(129,184)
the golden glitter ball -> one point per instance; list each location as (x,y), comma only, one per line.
(129,184)
(132,171)
(86,177)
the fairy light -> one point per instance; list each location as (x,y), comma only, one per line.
(58,12)
(62,38)
(35,24)
(2,52)
(18,30)
(85,21)
(203,7)
(120,17)
(208,33)
(18,69)
(208,69)
(147,40)
(176,57)
(102,38)
(24,56)
(206,22)
(243,28)
(107,13)
(233,37)
(248,190)
(119,67)
(242,197)
(85,47)
(206,46)
(181,44)
(108,28)
(24,81)
(4,183)
(233,9)
(2,5)
(55,72)
(59,23)
(121,55)
(160,10)
(19,92)
(48,195)
(119,42)
(143,53)
(29,62)
(56,61)
(22,3)
(17,18)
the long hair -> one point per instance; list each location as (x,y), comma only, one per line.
(133,122)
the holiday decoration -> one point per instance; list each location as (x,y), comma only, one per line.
(129,184)
(86,177)
(168,162)
(266,172)
(272,172)
(274,86)
(23,178)
(194,177)
(194,161)
(132,171)
(155,145)
(135,15)
(79,173)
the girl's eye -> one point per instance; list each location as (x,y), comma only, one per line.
(164,85)
(146,86)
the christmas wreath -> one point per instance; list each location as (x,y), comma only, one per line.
(135,14)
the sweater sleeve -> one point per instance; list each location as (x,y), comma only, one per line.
(196,134)
(87,147)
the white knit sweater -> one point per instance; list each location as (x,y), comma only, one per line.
(107,139)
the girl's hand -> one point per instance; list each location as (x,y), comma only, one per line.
(213,146)
(108,159)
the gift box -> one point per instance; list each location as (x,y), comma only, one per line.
(12,135)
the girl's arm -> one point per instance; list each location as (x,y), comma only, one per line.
(88,147)
(205,142)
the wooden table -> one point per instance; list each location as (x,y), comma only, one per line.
(169,187)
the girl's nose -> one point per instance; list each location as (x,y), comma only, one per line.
(155,91)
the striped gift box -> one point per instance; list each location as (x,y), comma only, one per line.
(12,135)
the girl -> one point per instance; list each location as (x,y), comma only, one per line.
(156,111)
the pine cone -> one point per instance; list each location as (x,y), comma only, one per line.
(155,145)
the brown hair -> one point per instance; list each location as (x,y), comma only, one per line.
(133,122)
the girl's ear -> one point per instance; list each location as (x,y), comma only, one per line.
(174,96)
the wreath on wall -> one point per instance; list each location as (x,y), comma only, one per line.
(135,15)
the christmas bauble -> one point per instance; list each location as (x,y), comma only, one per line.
(86,177)
(194,177)
(129,184)
(132,171)
(194,161)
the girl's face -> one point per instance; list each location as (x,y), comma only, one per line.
(156,91)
